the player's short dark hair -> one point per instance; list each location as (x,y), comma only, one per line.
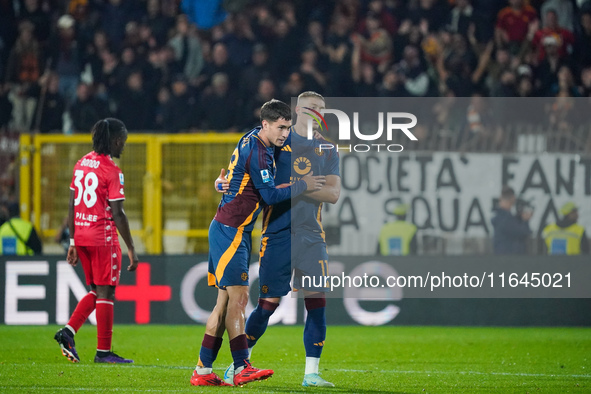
(104,132)
(274,110)
(507,192)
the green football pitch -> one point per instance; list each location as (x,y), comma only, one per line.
(356,359)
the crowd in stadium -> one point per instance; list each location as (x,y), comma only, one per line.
(167,65)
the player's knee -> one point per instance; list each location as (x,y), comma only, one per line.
(315,301)
(106,292)
(239,298)
(268,305)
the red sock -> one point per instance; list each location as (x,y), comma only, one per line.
(104,324)
(82,311)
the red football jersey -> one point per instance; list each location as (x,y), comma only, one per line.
(97,180)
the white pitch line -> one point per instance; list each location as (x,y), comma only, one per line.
(190,368)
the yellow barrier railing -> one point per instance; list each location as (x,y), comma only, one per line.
(168,184)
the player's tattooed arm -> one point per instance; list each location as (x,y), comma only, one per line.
(120,219)
(72,256)
(330,192)
(221,183)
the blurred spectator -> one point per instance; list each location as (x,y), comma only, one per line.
(413,73)
(565,39)
(65,57)
(187,49)
(23,71)
(8,30)
(364,76)
(383,14)
(180,111)
(62,236)
(171,67)
(153,73)
(481,131)
(114,16)
(497,66)
(586,82)
(392,85)
(432,13)
(17,236)
(135,108)
(314,79)
(566,236)
(87,109)
(162,107)
(213,104)
(204,14)
(339,51)
(110,73)
(283,48)
(510,231)
(376,46)
(461,17)
(220,64)
(565,85)
(128,64)
(525,87)
(34,13)
(92,54)
(415,48)
(5,107)
(252,114)
(460,62)
(84,22)
(294,85)
(315,39)
(582,50)
(50,105)
(547,71)
(513,24)
(563,9)
(158,22)
(398,238)
(256,72)
(239,39)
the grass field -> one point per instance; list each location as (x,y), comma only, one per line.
(356,359)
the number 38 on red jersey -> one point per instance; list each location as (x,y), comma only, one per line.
(96,181)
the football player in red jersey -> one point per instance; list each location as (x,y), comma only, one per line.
(95,215)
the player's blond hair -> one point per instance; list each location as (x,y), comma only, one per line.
(310,93)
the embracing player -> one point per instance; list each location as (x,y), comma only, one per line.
(295,226)
(95,214)
(251,177)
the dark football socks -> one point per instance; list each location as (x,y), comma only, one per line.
(257,322)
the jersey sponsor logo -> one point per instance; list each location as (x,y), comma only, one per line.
(302,165)
(121,179)
(88,218)
(266,176)
(245,142)
(244,276)
(264,289)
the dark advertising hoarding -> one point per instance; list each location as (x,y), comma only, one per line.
(380,291)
